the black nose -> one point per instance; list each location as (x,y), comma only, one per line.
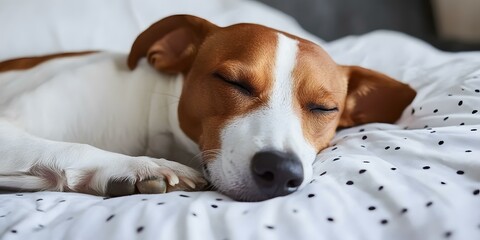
(277,173)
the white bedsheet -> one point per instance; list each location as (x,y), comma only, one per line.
(417,179)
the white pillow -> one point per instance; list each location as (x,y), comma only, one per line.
(32,27)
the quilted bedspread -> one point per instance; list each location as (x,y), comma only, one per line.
(416,179)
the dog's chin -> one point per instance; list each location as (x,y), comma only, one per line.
(244,194)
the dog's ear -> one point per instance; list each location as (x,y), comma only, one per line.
(171,44)
(373,97)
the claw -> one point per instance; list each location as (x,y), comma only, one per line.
(189,182)
(171,176)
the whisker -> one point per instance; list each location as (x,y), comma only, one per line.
(203,155)
(166,94)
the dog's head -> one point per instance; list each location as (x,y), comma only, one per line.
(262,103)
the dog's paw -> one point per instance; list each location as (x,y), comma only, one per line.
(166,176)
(140,175)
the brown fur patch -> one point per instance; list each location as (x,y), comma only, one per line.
(317,81)
(30,62)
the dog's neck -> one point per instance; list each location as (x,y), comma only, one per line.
(164,115)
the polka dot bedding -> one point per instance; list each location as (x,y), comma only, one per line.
(416,179)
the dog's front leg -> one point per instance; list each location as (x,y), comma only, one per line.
(31,163)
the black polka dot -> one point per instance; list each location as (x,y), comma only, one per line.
(40,199)
(441,143)
(397,148)
(443,183)
(219,199)
(445,119)
(110,217)
(476,192)
(387,147)
(460,103)
(160,203)
(461,124)
(362,171)
(474,111)
(435,111)
(185,196)
(426,126)
(428,204)
(380,188)
(139,229)
(364,137)
(335,148)
(366,161)
(13,231)
(214,206)
(460,172)
(404,210)
(270,227)
(384,221)
(323,173)
(413,111)
(19,194)
(393,169)
(194,214)
(63,200)
(336,159)
(477,90)
(311,195)
(349,183)
(361,130)
(330,219)
(473,129)
(433,131)
(426,167)
(448,234)
(144,199)
(371,208)
(468,151)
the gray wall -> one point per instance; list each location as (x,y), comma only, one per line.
(331,19)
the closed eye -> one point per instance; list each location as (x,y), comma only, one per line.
(238,85)
(321,109)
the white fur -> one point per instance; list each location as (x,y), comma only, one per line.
(46,113)
(275,126)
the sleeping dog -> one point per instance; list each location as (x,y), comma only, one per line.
(247,105)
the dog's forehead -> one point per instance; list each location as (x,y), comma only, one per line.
(256,41)
(244,42)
